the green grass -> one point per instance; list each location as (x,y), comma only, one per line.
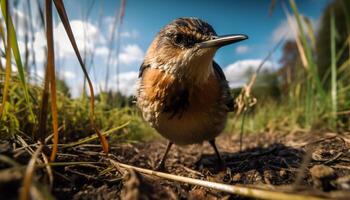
(309,103)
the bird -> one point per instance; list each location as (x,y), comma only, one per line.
(182,92)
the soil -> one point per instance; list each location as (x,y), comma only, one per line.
(269,161)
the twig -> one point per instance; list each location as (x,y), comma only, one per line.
(232,189)
(87,176)
(334,158)
(94,136)
(29,174)
(245,100)
(9,161)
(193,171)
(48,169)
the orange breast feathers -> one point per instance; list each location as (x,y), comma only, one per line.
(178,96)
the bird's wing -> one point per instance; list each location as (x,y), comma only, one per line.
(228,99)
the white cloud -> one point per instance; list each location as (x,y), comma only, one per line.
(236,72)
(68,74)
(131,54)
(40,46)
(130,34)
(22,23)
(284,29)
(101,51)
(242,49)
(86,35)
(39,74)
(127,83)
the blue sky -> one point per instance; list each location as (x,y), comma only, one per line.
(142,21)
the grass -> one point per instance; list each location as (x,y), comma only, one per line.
(308,99)
(308,104)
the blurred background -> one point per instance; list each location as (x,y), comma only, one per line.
(303,84)
(114,34)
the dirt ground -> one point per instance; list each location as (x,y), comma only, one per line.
(269,161)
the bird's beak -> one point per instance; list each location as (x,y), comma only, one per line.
(220,41)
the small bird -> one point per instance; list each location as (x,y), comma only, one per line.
(182,92)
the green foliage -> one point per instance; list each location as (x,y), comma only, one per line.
(15,49)
(16,118)
(306,101)
(341,12)
(73,116)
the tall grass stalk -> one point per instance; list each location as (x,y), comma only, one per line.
(51,74)
(333,72)
(308,52)
(64,18)
(7,69)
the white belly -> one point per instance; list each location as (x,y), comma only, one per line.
(190,128)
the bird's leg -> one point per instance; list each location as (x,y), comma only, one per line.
(212,143)
(161,164)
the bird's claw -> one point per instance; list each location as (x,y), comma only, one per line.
(160,166)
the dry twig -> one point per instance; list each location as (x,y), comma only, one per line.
(232,189)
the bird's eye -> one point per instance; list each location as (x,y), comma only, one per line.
(183,40)
(190,42)
(178,38)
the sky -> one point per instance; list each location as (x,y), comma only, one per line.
(142,21)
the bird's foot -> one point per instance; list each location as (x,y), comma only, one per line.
(160,166)
(222,164)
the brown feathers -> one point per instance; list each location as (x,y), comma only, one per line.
(177,95)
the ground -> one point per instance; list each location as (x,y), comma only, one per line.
(269,161)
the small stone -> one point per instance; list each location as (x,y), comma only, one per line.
(322,177)
(344,182)
(236,177)
(283,173)
(321,171)
(197,194)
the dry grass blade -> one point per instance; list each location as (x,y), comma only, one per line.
(48,169)
(232,189)
(296,36)
(64,18)
(50,69)
(310,32)
(118,20)
(333,70)
(245,100)
(27,181)
(9,161)
(111,42)
(93,137)
(308,51)
(2,34)
(272,7)
(43,108)
(44,105)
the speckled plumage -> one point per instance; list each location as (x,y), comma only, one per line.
(182,92)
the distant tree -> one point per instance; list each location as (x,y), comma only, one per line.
(290,65)
(63,87)
(266,85)
(341,11)
(113,99)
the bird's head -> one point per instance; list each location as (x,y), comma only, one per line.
(185,48)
